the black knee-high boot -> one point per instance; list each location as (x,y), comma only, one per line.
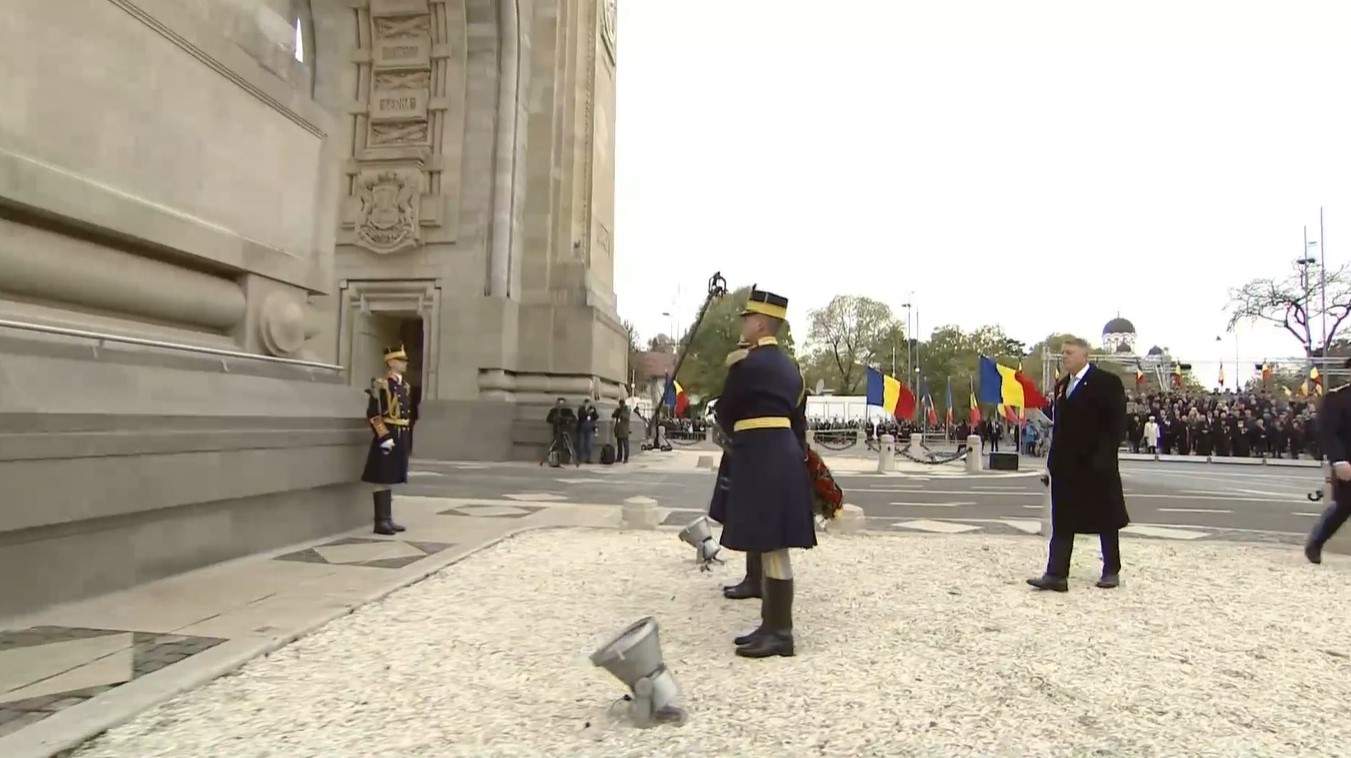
(750,586)
(777,636)
(383,524)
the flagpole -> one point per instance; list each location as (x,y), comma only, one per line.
(1323,279)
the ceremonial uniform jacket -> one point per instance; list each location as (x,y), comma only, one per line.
(768,504)
(389,414)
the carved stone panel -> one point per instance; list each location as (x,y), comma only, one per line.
(390,203)
(407,63)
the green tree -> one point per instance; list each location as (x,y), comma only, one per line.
(634,350)
(704,369)
(846,336)
(951,353)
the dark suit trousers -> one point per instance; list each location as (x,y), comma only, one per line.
(1333,516)
(1062,547)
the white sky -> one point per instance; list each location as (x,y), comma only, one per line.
(1036,164)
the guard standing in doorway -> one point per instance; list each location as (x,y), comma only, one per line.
(388,412)
(769,501)
(1334,428)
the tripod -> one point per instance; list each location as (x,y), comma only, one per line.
(564,440)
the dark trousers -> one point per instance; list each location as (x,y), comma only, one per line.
(1333,516)
(621,449)
(1062,547)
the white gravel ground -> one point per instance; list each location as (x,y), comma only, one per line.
(907,645)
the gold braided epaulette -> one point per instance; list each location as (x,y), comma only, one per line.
(737,356)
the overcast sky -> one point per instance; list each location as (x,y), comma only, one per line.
(1040,165)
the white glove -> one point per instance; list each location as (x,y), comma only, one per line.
(388,444)
(1342,471)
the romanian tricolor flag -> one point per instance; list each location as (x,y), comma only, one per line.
(975,410)
(889,394)
(1177,375)
(949,418)
(1317,380)
(675,398)
(1002,385)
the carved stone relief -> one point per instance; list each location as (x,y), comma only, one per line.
(388,218)
(403,63)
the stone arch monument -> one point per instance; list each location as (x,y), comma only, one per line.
(213,213)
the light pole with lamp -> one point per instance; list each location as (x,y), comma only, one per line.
(1304,264)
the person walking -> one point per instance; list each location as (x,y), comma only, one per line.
(768,505)
(1334,426)
(1089,414)
(622,419)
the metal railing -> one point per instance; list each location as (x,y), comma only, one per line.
(102,337)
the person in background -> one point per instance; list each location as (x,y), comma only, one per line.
(621,418)
(1152,435)
(587,417)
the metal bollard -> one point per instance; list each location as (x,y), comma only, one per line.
(974,460)
(886,454)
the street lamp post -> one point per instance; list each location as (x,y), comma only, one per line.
(1304,264)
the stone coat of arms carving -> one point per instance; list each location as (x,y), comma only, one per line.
(388,219)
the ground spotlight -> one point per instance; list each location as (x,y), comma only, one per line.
(699,535)
(634,658)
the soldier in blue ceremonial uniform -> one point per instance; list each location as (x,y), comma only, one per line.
(1334,424)
(388,413)
(767,507)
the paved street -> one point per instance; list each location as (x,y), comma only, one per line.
(1174,500)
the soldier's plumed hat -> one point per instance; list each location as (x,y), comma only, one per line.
(766,303)
(396,353)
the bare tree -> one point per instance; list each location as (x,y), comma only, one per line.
(1295,303)
(847,333)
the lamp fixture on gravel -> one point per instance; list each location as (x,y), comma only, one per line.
(699,534)
(634,658)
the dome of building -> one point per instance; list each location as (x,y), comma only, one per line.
(1118,325)
(1156,350)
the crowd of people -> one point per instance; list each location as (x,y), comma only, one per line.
(1242,425)
(1238,424)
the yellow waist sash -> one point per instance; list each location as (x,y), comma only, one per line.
(762,422)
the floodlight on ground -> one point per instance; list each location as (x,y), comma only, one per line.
(699,535)
(634,658)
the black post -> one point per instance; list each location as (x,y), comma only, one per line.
(717,287)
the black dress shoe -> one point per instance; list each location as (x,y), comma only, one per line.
(1109,581)
(1314,553)
(1048,582)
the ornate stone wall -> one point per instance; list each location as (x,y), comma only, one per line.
(169,196)
(480,174)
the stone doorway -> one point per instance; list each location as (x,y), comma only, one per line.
(379,313)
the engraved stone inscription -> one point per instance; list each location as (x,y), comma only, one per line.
(398,7)
(399,105)
(403,51)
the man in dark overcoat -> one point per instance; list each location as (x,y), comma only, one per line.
(389,413)
(1089,413)
(1334,424)
(768,505)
